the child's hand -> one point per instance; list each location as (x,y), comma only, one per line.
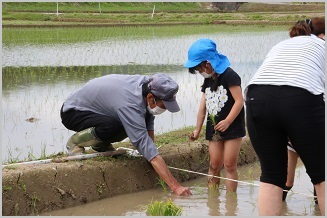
(222,126)
(194,136)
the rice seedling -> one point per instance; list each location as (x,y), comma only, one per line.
(198,190)
(11,158)
(160,208)
(25,36)
(213,189)
(43,152)
(31,156)
(162,183)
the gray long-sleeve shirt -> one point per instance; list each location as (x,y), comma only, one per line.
(119,96)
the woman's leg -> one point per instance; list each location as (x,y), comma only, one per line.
(307,134)
(269,199)
(216,152)
(231,151)
(320,190)
(269,141)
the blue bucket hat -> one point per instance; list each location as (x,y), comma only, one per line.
(205,50)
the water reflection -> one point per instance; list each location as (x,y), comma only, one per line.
(37,79)
(231,204)
(213,205)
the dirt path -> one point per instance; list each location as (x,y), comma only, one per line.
(71,25)
(34,189)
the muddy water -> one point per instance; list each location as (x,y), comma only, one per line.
(202,202)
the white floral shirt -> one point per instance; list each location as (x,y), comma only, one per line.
(220,103)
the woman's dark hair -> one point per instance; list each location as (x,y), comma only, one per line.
(318,24)
(306,27)
(301,28)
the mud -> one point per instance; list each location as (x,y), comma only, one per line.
(38,188)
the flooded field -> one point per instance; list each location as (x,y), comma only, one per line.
(36,79)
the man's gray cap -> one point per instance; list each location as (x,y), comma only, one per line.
(165,88)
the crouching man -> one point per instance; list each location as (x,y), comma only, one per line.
(110,108)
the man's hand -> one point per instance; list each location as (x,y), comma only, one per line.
(161,168)
(183,191)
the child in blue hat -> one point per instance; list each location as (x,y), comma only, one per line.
(222,101)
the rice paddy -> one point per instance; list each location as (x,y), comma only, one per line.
(38,76)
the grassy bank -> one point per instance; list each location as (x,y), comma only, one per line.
(135,7)
(43,14)
(106,7)
(175,137)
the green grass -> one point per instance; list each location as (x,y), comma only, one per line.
(159,18)
(94,6)
(148,6)
(118,13)
(176,137)
(6,188)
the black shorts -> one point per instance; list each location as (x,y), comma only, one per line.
(106,128)
(234,131)
(276,113)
